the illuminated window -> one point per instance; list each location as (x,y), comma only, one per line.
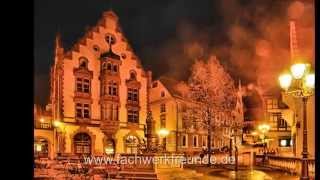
(272,103)
(285,142)
(133,116)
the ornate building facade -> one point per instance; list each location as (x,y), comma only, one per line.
(173,110)
(98,95)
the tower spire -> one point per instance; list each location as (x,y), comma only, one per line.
(294,51)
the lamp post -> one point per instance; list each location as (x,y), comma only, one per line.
(57,125)
(163,133)
(300,84)
(264,128)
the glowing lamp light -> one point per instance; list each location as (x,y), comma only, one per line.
(254,133)
(283,142)
(163,132)
(42,120)
(109,150)
(38,147)
(310,80)
(298,70)
(285,81)
(56,123)
(264,128)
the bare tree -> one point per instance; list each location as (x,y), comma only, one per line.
(213,88)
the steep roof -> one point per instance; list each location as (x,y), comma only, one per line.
(170,84)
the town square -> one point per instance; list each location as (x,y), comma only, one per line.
(212,89)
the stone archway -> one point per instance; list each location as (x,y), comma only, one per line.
(109,146)
(85,131)
(131,142)
(42,147)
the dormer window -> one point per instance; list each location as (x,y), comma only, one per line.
(83,62)
(109,67)
(110,39)
(133,75)
(115,68)
(162,94)
(96,48)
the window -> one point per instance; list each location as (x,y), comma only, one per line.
(195,141)
(132,75)
(115,68)
(82,143)
(83,85)
(162,108)
(96,48)
(82,110)
(184,140)
(155,84)
(163,120)
(110,39)
(113,89)
(109,66)
(133,116)
(204,141)
(285,142)
(278,123)
(83,62)
(131,144)
(132,94)
(123,56)
(162,94)
(272,103)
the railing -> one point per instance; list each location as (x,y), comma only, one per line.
(288,164)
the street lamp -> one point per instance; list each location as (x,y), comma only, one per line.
(264,128)
(300,84)
(163,133)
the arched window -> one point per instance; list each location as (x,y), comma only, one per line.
(96,48)
(41,148)
(133,75)
(109,147)
(109,67)
(131,144)
(110,39)
(82,144)
(83,62)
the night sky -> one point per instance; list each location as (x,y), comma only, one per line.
(166,35)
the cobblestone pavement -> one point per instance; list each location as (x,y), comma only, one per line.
(224,174)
